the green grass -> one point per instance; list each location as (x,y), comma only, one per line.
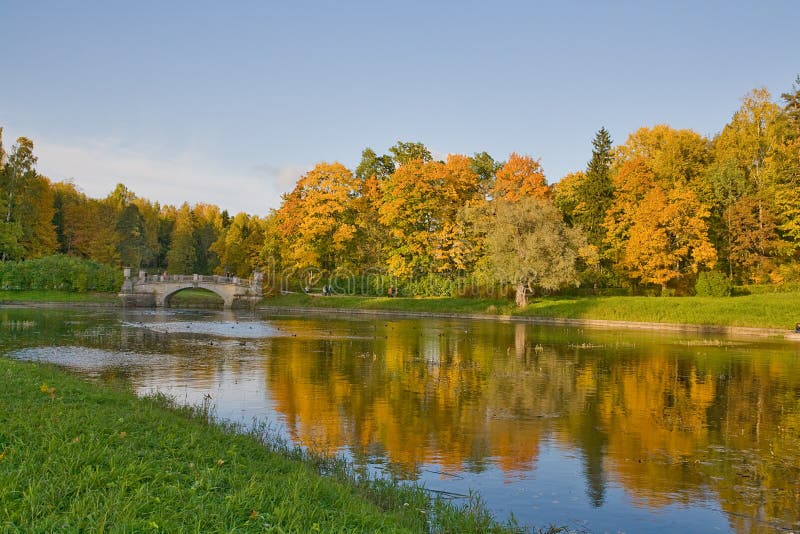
(417,304)
(90,457)
(765,310)
(195,298)
(56,296)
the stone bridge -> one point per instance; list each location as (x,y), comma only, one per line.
(156,290)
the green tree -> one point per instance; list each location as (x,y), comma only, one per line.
(485,167)
(381,167)
(792,105)
(404,153)
(131,241)
(182,256)
(10,232)
(207,230)
(529,245)
(596,191)
(239,247)
(28,205)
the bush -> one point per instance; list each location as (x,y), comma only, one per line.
(713,284)
(62,273)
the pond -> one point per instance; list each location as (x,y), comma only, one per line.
(591,429)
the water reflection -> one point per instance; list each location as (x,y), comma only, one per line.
(613,430)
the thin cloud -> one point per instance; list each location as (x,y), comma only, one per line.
(96,168)
(284,177)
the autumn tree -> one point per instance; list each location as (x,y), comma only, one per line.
(632,180)
(317,219)
(787,198)
(751,168)
(668,237)
(657,225)
(419,207)
(371,238)
(520,177)
(676,157)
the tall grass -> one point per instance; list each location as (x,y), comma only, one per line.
(77,456)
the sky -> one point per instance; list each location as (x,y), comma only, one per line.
(230,103)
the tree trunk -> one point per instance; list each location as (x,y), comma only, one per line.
(522,296)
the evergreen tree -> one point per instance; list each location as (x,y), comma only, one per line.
(792,107)
(595,191)
(131,243)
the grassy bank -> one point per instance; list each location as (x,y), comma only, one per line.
(766,310)
(78,456)
(46,295)
(195,298)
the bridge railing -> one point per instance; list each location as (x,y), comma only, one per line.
(186,278)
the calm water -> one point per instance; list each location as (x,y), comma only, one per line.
(596,430)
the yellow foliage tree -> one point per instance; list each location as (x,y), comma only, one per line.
(668,237)
(420,204)
(317,219)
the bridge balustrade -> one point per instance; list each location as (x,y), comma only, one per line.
(186,278)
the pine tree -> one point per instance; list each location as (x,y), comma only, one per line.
(595,191)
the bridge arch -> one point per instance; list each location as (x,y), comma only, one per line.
(163,299)
(167,298)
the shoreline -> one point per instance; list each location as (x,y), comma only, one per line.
(748,331)
(744,331)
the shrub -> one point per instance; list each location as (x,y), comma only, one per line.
(58,272)
(713,284)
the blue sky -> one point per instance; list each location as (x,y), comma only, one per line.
(230,103)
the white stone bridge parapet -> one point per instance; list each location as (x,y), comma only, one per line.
(156,290)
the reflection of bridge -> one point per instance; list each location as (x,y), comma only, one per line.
(156,290)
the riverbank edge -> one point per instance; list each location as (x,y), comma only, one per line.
(744,331)
(94,414)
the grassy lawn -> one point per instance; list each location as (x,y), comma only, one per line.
(417,304)
(765,310)
(195,298)
(56,296)
(78,456)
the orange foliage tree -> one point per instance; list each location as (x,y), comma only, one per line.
(520,177)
